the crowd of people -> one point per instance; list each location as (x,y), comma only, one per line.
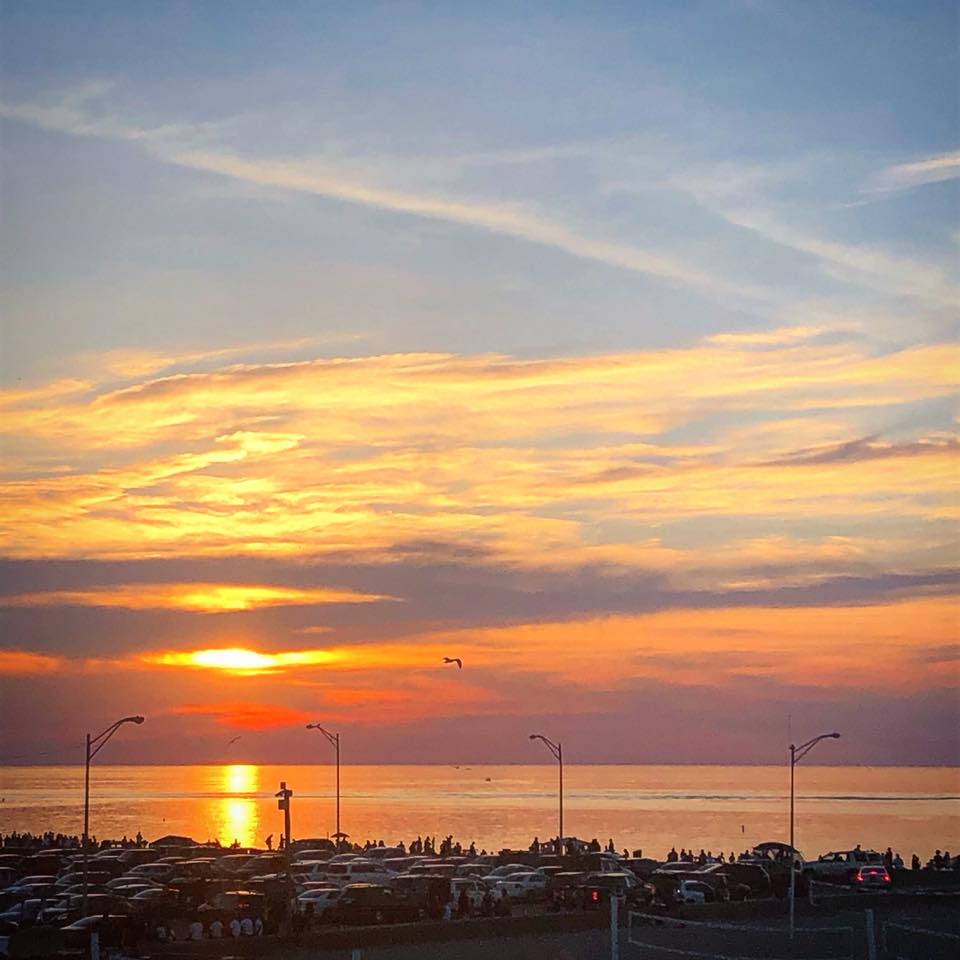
(891,860)
(63,841)
(215,929)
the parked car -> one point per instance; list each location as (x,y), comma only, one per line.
(370,903)
(353,871)
(243,902)
(492,877)
(840,866)
(473,887)
(624,884)
(158,871)
(321,900)
(746,880)
(110,929)
(523,886)
(26,912)
(872,877)
(694,891)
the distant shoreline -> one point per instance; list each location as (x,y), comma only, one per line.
(475,763)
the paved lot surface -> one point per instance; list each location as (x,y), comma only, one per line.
(766,939)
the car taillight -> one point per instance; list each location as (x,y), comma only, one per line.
(886,877)
(595,896)
(858,877)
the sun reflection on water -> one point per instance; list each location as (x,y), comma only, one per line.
(236,816)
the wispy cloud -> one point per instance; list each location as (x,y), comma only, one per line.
(192,597)
(903,176)
(860,264)
(868,448)
(366,455)
(171,143)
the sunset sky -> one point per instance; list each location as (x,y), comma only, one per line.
(610,347)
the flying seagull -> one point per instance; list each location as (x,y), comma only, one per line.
(455,660)
(234,740)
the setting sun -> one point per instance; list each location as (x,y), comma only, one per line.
(239,660)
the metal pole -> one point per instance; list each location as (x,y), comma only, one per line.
(614,927)
(871,935)
(337,745)
(560,759)
(86,822)
(793,856)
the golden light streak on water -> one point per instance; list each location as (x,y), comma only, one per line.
(237,817)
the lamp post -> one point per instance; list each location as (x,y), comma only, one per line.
(557,750)
(334,740)
(94,746)
(796,755)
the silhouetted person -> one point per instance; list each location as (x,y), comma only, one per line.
(914,862)
(486,904)
(269,842)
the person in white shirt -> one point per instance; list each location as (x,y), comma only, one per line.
(257,927)
(234,927)
(196,931)
(216,929)
(246,927)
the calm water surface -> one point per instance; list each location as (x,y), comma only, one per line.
(650,807)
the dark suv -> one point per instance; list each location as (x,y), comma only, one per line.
(371,903)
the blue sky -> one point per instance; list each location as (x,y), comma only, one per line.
(739,141)
(537,318)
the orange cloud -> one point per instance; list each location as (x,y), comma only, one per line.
(23,661)
(882,646)
(246,716)
(561,463)
(192,597)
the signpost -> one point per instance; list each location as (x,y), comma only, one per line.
(283,803)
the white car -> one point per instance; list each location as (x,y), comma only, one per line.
(841,866)
(501,873)
(474,888)
(354,871)
(322,900)
(523,886)
(693,891)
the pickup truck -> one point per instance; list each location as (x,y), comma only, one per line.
(841,866)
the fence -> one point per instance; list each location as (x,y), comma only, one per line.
(651,936)
(903,941)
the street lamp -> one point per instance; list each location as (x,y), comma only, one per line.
(557,750)
(796,755)
(334,739)
(94,746)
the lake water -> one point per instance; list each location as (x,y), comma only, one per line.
(648,807)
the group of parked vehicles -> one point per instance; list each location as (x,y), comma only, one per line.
(122,889)
(334,885)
